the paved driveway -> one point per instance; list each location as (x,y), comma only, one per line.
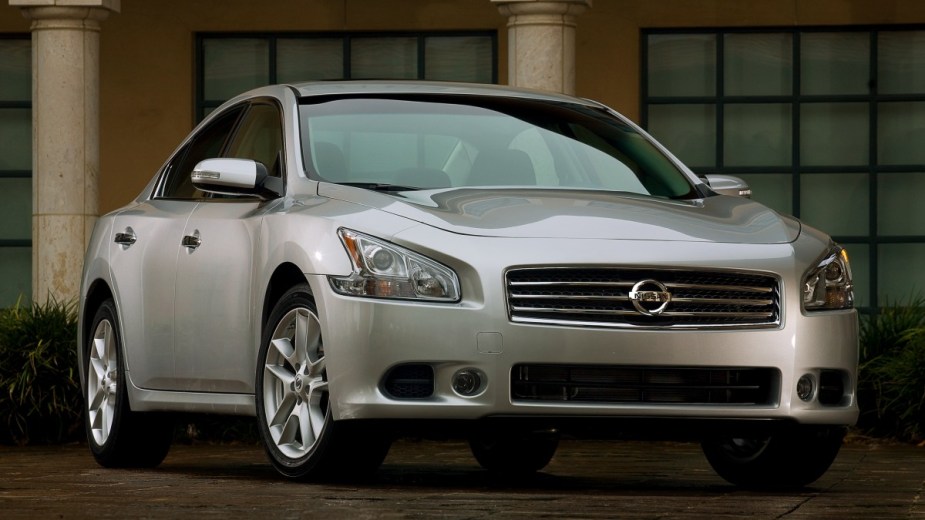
(422,479)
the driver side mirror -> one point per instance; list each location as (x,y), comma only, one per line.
(236,177)
(728,185)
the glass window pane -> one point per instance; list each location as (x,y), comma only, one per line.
(901,62)
(895,275)
(834,134)
(16,282)
(859,257)
(682,64)
(837,203)
(758,135)
(15,139)
(309,59)
(689,131)
(15,70)
(758,64)
(16,209)
(232,66)
(901,133)
(774,190)
(835,63)
(900,210)
(384,58)
(458,58)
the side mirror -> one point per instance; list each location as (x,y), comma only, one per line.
(728,185)
(236,177)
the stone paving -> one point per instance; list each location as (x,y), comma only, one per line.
(424,479)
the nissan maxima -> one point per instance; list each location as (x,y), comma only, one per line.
(351,262)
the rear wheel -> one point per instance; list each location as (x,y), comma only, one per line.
(787,459)
(118,437)
(514,452)
(294,414)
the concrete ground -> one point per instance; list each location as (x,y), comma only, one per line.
(424,479)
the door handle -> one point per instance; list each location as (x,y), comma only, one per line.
(192,241)
(126,238)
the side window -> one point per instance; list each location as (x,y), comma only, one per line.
(260,137)
(207,144)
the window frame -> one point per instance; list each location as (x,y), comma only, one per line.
(872,98)
(16,174)
(202,105)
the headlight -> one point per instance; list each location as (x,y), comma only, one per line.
(385,270)
(828,285)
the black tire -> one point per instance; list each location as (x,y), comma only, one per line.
(787,459)
(118,437)
(507,452)
(294,415)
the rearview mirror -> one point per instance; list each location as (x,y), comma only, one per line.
(236,177)
(728,185)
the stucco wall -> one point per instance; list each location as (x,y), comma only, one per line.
(147,58)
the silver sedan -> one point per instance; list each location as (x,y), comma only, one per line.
(349,262)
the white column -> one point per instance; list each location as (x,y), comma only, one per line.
(541,42)
(65,138)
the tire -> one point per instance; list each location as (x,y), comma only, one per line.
(118,437)
(294,415)
(787,459)
(514,452)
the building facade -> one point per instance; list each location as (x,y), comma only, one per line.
(819,104)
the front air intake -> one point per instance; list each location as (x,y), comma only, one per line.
(411,381)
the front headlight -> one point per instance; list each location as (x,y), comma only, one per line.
(385,270)
(828,285)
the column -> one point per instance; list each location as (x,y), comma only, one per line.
(65,138)
(541,42)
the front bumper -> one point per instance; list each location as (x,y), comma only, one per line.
(365,339)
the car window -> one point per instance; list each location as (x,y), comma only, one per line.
(206,144)
(451,141)
(260,137)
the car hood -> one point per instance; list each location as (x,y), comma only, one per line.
(557,213)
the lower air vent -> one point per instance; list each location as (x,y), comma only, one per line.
(413,381)
(634,384)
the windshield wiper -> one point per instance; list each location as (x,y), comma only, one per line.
(379,186)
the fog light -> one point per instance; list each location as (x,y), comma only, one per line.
(806,387)
(467,382)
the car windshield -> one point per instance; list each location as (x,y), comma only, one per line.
(431,142)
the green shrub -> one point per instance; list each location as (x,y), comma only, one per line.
(891,389)
(40,399)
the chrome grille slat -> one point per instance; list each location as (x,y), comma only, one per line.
(599,297)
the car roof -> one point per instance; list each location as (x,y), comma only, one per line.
(384,87)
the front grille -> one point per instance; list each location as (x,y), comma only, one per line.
(600,297)
(635,384)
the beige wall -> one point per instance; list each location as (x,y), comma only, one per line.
(147,57)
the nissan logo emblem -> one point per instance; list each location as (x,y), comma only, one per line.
(650,297)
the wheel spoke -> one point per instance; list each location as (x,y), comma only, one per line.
(317,397)
(285,349)
(288,431)
(282,375)
(306,426)
(301,336)
(284,410)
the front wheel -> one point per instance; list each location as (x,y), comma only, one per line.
(294,414)
(118,437)
(786,459)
